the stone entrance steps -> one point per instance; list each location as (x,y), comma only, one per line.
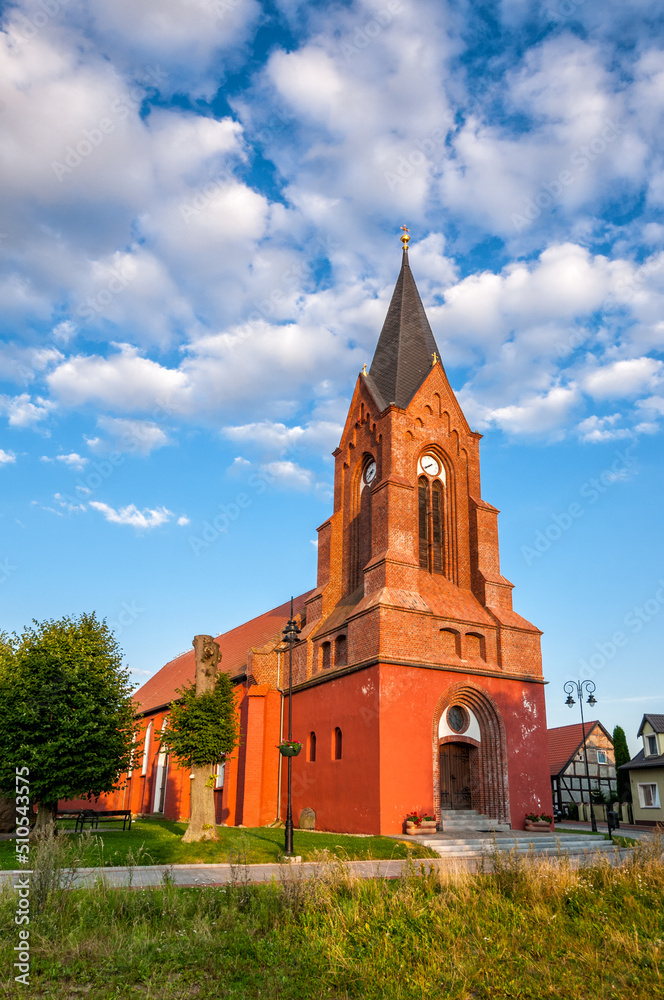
(462,820)
(524,843)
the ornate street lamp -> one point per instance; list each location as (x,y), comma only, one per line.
(580,687)
(291,633)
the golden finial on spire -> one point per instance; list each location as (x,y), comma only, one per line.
(364,368)
(435,359)
(405,239)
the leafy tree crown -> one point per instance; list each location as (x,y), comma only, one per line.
(202,729)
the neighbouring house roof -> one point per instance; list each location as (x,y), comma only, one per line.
(404,353)
(641,762)
(656,721)
(160,689)
(566,741)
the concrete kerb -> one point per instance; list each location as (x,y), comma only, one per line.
(210,875)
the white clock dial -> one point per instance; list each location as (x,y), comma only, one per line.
(370,472)
(430,465)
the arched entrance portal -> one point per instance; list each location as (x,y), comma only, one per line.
(470,756)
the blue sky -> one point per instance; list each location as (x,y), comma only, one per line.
(201,202)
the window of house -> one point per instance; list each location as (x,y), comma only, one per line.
(648,796)
(326,650)
(146,749)
(651,744)
(340,653)
(336,746)
(219,774)
(602,757)
(311,750)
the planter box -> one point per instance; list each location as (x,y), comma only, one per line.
(413,830)
(539,827)
(428,826)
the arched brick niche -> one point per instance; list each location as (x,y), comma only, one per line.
(489,757)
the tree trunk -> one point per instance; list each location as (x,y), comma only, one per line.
(45,825)
(202,821)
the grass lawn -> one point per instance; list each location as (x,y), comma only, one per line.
(522,930)
(159,842)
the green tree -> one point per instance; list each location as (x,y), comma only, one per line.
(201,731)
(66,712)
(621,756)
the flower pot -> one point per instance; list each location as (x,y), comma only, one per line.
(537,826)
(289,751)
(428,826)
(412,829)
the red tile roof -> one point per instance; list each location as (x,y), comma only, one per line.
(161,688)
(564,741)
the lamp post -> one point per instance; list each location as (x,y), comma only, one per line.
(580,687)
(291,633)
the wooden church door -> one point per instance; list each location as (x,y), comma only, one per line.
(455,776)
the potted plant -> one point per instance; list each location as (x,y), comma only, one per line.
(289,748)
(538,822)
(413,823)
(429,823)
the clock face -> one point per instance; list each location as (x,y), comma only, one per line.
(456,718)
(370,472)
(430,465)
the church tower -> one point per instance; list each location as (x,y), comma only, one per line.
(416,686)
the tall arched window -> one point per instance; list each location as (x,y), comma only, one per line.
(146,749)
(326,656)
(311,755)
(430,521)
(340,651)
(336,746)
(360,525)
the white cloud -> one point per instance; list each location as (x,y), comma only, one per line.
(624,378)
(22,412)
(290,475)
(145,519)
(182,520)
(73,461)
(596,429)
(6,457)
(133,436)
(545,414)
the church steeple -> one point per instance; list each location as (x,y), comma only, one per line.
(406,345)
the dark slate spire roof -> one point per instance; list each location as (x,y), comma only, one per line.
(403,356)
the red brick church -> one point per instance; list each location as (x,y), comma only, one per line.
(416,686)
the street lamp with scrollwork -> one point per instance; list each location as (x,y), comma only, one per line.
(582,687)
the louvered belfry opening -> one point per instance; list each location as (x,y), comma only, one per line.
(431,521)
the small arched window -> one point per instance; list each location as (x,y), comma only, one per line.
(311,750)
(337,744)
(146,749)
(326,651)
(340,651)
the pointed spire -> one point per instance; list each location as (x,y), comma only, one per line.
(406,344)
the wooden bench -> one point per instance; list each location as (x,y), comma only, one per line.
(92,816)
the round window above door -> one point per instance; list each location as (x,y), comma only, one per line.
(457,718)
